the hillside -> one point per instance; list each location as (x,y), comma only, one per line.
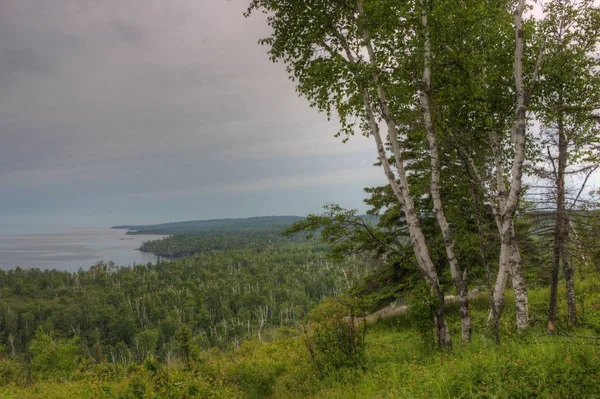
(199,227)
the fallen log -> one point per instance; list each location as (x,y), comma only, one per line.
(395,309)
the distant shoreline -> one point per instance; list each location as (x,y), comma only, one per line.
(69,247)
(188,238)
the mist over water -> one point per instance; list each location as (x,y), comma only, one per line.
(68,247)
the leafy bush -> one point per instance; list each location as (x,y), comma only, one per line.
(336,336)
(51,358)
(421,314)
(10,371)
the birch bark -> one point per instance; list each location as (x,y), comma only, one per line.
(458,277)
(401,190)
(519,284)
(508,202)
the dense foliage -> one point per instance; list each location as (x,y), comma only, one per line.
(183,245)
(124,314)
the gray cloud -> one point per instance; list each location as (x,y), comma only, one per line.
(127,32)
(108,104)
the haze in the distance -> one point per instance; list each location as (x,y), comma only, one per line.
(145,111)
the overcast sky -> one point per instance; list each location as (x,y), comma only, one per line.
(143,111)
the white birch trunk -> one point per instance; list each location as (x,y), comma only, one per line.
(458,277)
(508,204)
(418,241)
(519,285)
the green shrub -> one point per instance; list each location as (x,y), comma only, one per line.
(107,371)
(336,337)
(51,358)
(421,314)
(136,388)
(10,371)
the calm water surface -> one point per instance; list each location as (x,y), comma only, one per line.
(69,247)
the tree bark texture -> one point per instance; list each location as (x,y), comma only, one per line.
(561,237)
(519,285)
(458,277)
(417,239)
(508,211)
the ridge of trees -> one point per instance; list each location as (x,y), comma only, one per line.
(197,227)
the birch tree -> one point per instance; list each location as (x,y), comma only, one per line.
(360,59)
(508,194)
(331,49)
(461,77)
(458,277)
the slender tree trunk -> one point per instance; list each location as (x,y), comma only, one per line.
(458,277)
(508,254)
(519,284)
(401,187)
(552,311)
(417,239)
(513,257)
(562,221)
(482,247)
(569,270)
(502,278)
(508,203)
(559,228)
(561,235)
(497,289)
(443,334)
(568,267)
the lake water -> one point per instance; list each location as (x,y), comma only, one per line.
(69,247)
